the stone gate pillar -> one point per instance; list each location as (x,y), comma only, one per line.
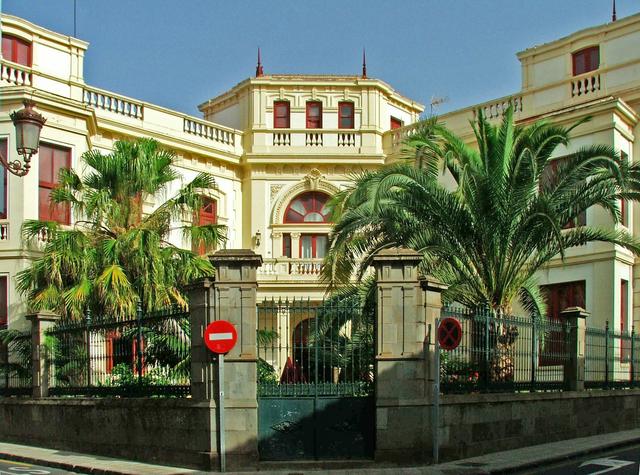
(40,323)
(231,296)
(403,371)
(575,317)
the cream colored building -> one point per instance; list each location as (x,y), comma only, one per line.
(262,169)
(594,72)
(279,145)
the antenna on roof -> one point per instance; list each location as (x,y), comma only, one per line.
(614,17)
(75,18)
(364,64)
(259,71)
(436,102)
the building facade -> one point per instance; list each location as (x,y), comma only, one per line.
(280,145)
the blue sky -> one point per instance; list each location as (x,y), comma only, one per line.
(178,53)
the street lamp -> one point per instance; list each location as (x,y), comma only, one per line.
(28,124)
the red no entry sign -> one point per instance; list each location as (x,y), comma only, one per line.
(449,333)
(220,336)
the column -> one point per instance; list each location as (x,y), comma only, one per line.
(402,357)
(295,245)
(575,318)
(230,296)
(40,323)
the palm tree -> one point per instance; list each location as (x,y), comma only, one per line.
(117,254)
(508,210)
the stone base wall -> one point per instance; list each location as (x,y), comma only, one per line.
(476,424)
(163,431)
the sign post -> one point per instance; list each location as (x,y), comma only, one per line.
(223,457)
(220,337)
(448,338)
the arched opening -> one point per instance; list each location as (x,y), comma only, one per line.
(309,207)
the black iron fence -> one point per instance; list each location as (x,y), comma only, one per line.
(504,354)
(147,355)
(611,358)
(310,348)
(15,363)
(524,354)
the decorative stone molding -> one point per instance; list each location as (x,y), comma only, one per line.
(274,191)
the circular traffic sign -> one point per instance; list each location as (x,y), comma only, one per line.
(220,336)
(449,333)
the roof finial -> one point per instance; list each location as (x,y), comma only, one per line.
(614,17)
(259,71)
(364,64)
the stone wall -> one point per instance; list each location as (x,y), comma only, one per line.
(480,423)
(154,430)
(475,424)
(177,431)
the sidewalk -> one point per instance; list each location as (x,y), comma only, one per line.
(495,463)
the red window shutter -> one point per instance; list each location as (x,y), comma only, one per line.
(281,114)
(108,344)
(51,160)
(395,123)
(346,115)
(314,115)
(4,301)
(16,50)
(559,297)
(208,215)
(586,60)
(286,245)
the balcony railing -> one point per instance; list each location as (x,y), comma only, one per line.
(15,74)
(311,139)
(586,84)
(209,131)
(496,109)
(282,268)
(4,231)
(112,102)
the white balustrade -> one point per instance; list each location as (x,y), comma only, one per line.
(284,267)
(113,103)
(208,130)
(4,231)
(346,139)
(313,139)
(495,110)
(282,138)
(586,85)
(15,74)
(402,134)
(43,236)
(305,266)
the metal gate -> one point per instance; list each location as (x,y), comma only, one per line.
(315,380)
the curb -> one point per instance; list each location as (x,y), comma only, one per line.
(455,465)
(78,468)
(553,459)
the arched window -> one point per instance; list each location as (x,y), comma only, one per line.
(309,207)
